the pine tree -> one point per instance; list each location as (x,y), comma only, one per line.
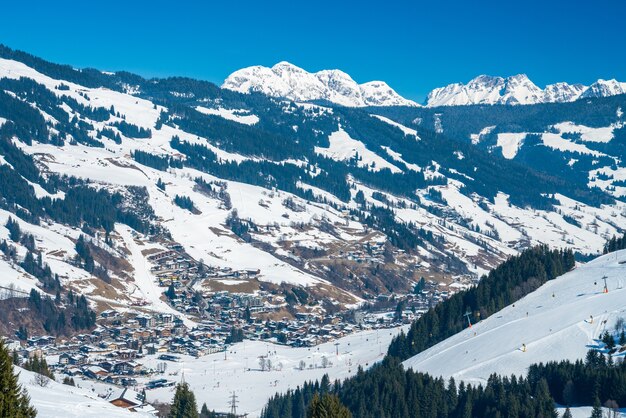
(14,230)
(184,405)
(567,413)
(597,409)
(608,340)
(14,401)
(171,292)
(327,406)
(204,412)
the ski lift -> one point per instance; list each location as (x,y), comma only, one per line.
(467,315)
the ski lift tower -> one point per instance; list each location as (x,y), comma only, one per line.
(606,288)
(469,321)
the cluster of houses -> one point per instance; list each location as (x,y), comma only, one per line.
(371,252)
(174,266)
(111,351)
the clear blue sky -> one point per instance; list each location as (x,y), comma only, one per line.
(413,45)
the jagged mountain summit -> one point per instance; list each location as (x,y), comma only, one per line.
(292,82)
(518,89)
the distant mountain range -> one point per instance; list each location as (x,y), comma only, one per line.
(518,89)
(335,86)
(294,83)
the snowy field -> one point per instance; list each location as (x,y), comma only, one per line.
(553,322)
(214,379)
(343,147)
(585,412)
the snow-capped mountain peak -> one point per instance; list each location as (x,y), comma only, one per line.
(292,82)
(562,92)
(379,93)
(603,88)
(518,89)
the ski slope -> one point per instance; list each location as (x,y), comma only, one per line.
(554,323)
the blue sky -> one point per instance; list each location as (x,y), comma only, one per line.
(413,45)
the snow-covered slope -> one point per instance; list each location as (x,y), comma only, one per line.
(292,82)
(517,89)
(560,320)
(56,400)
(343,147)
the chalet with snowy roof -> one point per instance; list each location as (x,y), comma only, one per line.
(127,367)
(31,352)
(41,341)
(127,398)
(111,313)
(95,372)
(74,359)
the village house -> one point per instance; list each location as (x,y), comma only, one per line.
(127,398)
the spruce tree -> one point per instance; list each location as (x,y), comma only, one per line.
(596,412)
(14,401)
(14,230)
(171,292)
(184,405)
(327,406)
(567,413)
(204,411)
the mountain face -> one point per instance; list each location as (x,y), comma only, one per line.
(291,82)
(487,90)
(604,88)
(517,89)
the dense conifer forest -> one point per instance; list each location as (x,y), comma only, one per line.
(389,391)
